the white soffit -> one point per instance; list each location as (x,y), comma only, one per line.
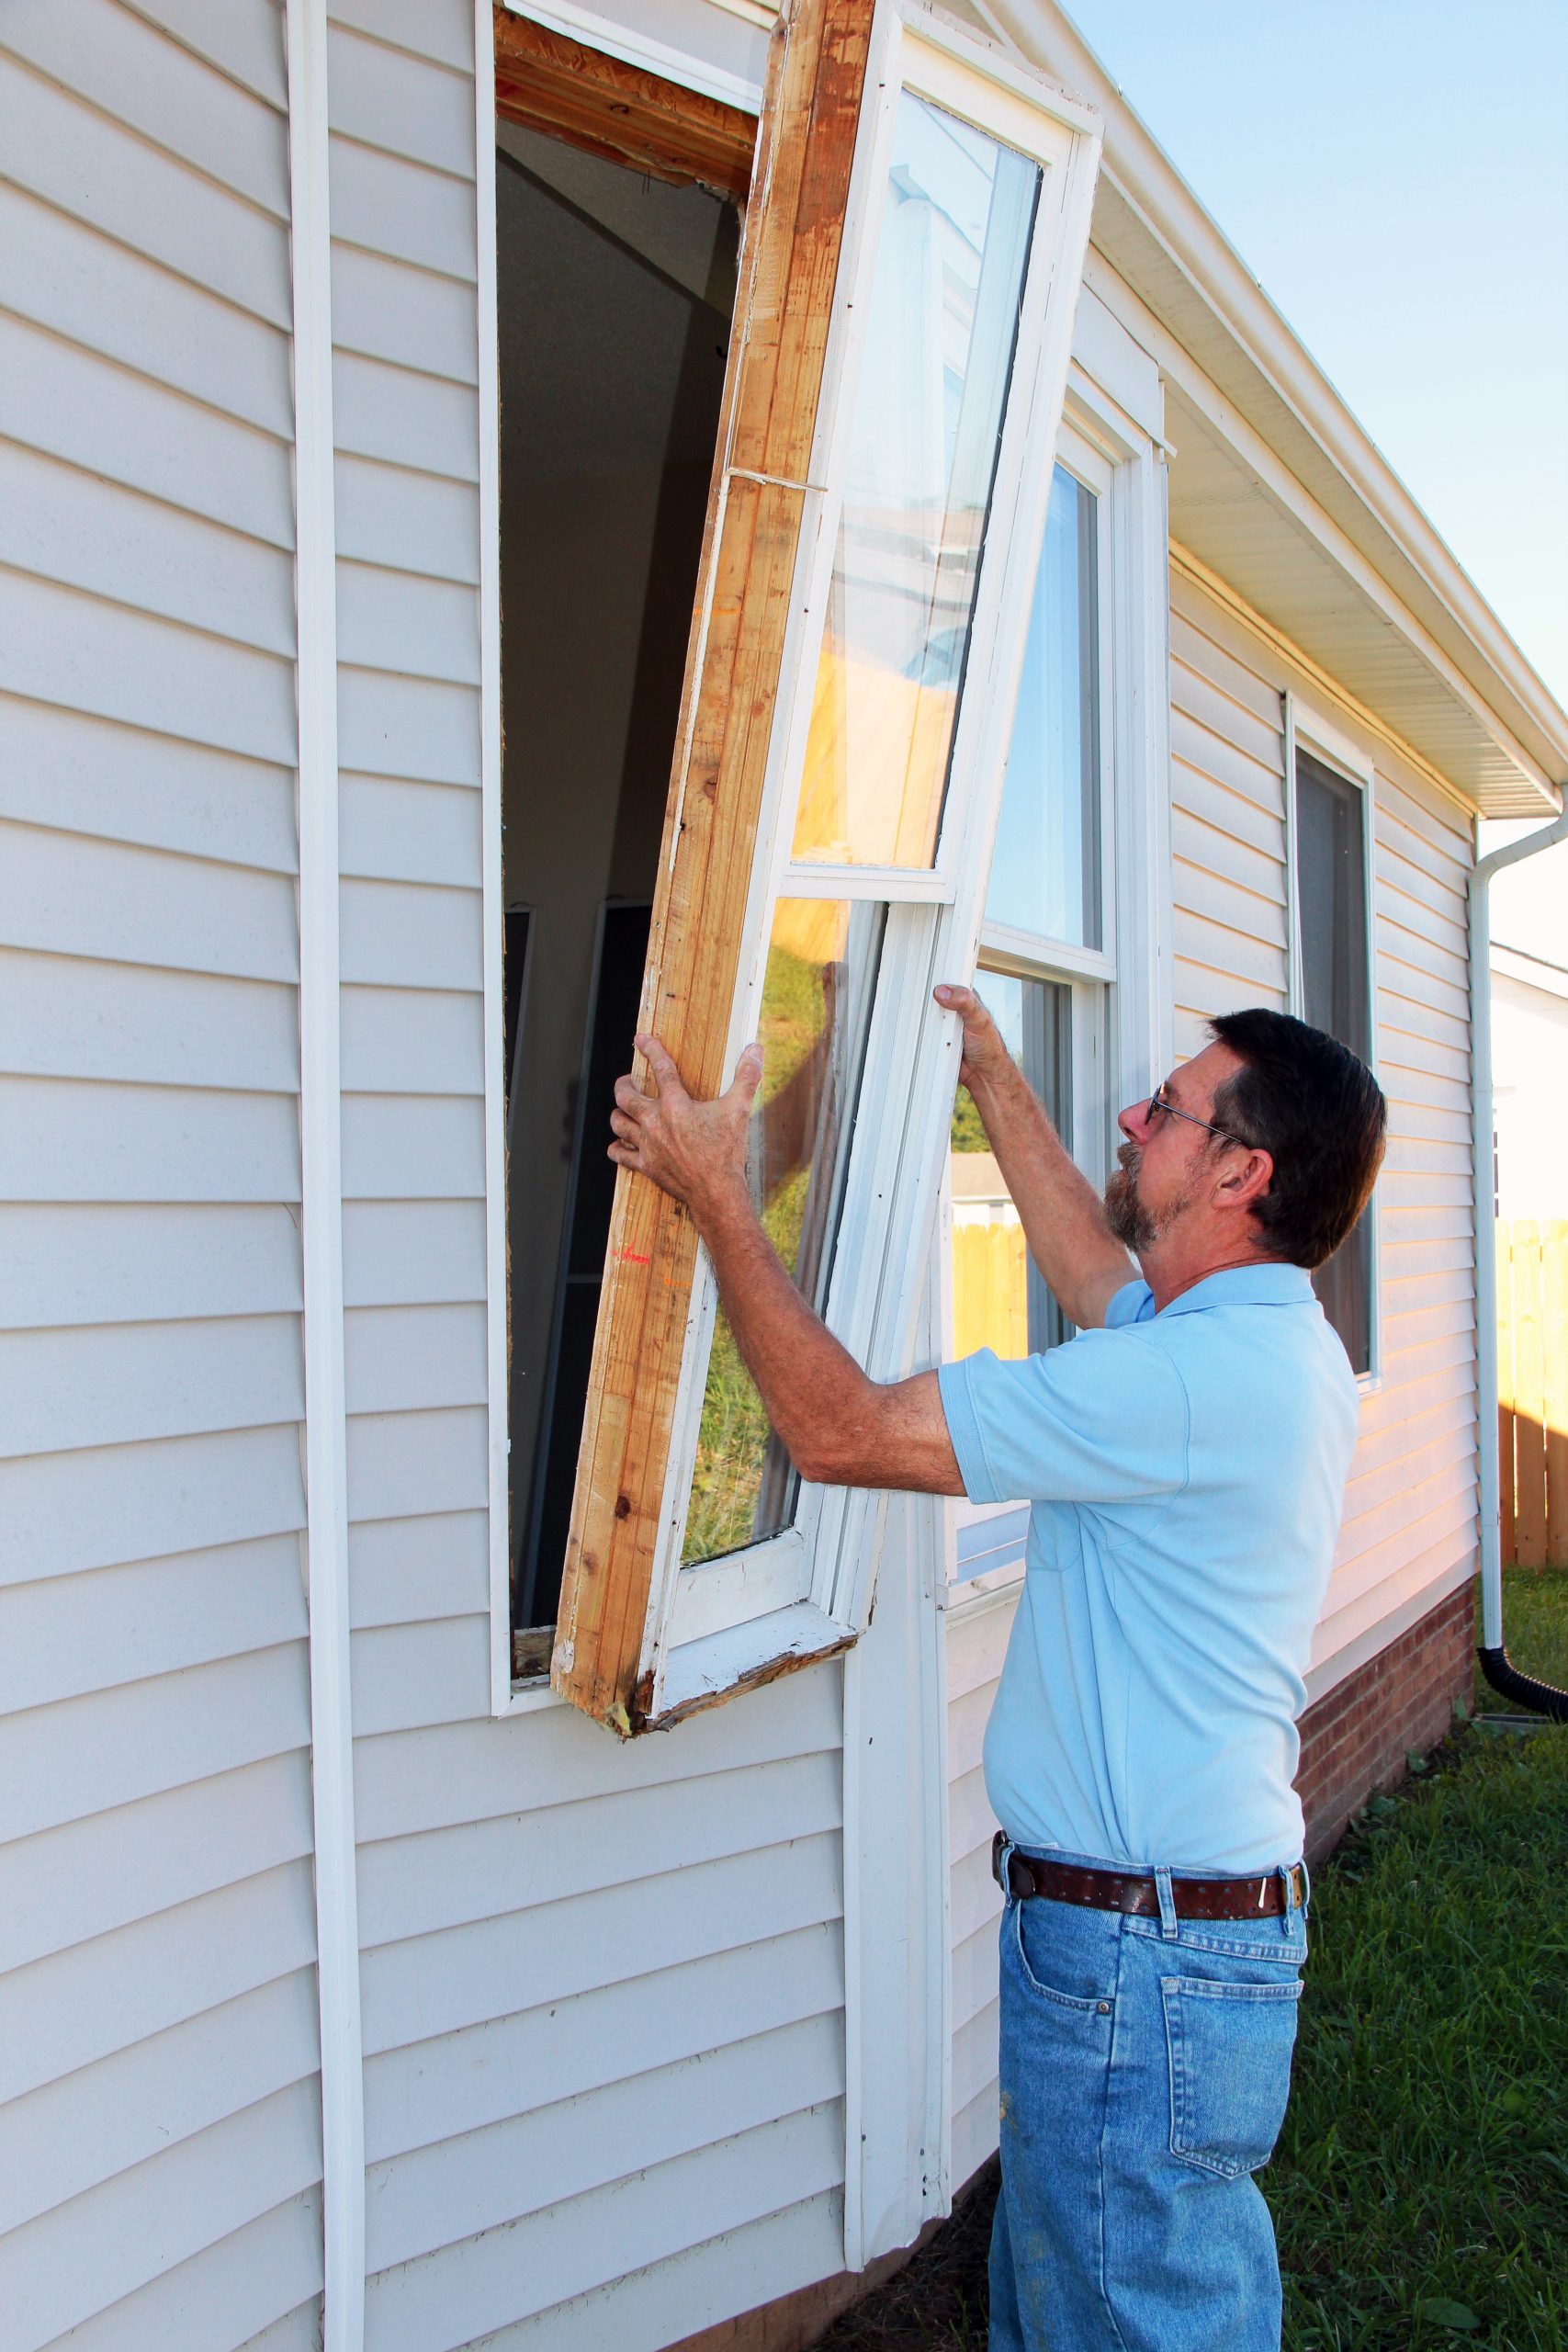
(1365,587)
(1340,614)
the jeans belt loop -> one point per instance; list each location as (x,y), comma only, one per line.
(1168,1926)
(1002,1851)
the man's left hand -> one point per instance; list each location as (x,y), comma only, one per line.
(694,1151)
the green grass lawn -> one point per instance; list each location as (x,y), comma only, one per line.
(1420,2190)
(1421,2187)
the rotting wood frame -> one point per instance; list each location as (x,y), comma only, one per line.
(547,82)
(630,1650)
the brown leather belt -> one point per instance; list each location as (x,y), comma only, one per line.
(1195,1898)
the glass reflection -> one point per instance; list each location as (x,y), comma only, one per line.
(816,1000)
(1045,873)
(939,348)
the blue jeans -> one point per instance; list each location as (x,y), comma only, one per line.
(1146,2065)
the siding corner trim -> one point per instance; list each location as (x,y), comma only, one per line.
(320,1141)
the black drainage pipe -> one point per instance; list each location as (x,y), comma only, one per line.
(1540,1698)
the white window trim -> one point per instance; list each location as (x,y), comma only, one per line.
(1306,725)
(1137,1027)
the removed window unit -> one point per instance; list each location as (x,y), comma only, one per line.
(884,430)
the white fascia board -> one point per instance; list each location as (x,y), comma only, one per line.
(1247,322)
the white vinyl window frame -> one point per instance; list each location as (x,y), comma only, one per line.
(808,1588)
(1122,1007)
(1308,728)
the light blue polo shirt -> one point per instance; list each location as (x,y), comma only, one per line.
(1187,1472)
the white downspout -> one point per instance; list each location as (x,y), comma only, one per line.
(1481,1147)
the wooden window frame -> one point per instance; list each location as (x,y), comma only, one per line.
(545,81)
(769,539)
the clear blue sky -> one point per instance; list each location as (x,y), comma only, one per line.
(1396,172)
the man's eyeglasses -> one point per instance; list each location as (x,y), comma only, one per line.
(1159,1106)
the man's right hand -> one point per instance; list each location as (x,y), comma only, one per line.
(1062,1215)
(985,1058)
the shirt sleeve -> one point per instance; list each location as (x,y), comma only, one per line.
(1134,1302)
(1103,1419)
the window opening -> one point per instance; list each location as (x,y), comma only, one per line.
(615,295)
(1331,896)
(927,430)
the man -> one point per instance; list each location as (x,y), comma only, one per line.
(1186,1456)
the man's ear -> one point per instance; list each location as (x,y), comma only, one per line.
(1245,1175)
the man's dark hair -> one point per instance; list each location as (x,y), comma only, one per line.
(1316,1108)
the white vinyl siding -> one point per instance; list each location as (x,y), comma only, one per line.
(160,2131)
(977,1633)
(603,1986)
(1409,1530)
(1227,825)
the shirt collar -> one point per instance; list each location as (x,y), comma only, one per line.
(1273,1285)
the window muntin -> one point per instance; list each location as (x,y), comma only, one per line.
(922,460)
(1332,948)
(817,990)
(1045,875)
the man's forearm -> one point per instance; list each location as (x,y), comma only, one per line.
(1061,1215)
(808,1382)
(838,1426)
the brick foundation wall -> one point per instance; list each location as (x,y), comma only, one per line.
(1354,1740)
(796,2322)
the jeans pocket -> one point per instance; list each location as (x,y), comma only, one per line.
(1229,2048)
(1051,1960)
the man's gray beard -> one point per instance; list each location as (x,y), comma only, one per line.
(1125,1213)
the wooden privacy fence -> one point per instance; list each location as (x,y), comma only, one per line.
(1532,1390)
(990,1296)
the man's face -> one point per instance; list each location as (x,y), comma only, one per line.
(1164,1164)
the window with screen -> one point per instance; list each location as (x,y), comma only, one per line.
(1333,947)
(1046,959)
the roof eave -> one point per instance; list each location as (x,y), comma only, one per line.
(1246,337)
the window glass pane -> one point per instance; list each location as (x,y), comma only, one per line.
(1331,886)
(934,372)
(817,998)
(1045,873)
(998,1299)
(1332,889)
